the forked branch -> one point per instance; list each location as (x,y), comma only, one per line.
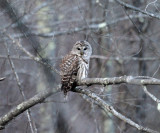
(41,97)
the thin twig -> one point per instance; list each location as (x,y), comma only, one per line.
(154,98)
(102,24)
(21,90)
(33,57)
(124,58)
(137,9)
(153,2)
(3,78)
(151,95)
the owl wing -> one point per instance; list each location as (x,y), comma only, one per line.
(69,68)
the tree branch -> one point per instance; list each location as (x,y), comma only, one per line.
(41,97)
(100,25)
(102,57)
(124,58)
(138,80)
(32,126)
(24,106)
(151,95)
(3,78)
(108,108)
(31,56)
(137,9)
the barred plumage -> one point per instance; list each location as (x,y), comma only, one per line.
(75,65)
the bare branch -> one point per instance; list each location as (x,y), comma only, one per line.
(3,78)
(151,95)
(153,2)
(41,97)
(24,106)
(138,80)
(21,90)
(36,9)
(92,57)
(33,57)
(137,9)
(108,108)
(100,25)
(124,58)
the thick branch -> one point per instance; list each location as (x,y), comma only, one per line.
(108,108)
(24,106)
(41,97)
(138,80)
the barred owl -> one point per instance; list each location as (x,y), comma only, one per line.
(75,65)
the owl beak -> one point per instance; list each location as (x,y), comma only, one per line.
(82,52)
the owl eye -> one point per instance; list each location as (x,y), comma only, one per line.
(78,48)
(85,48)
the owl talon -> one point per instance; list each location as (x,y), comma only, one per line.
(104,85)
(88,85)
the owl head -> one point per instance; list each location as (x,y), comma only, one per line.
(82,49)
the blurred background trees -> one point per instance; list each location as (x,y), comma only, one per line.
(124,41)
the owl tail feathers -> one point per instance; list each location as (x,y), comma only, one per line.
(66,87)
(65,91)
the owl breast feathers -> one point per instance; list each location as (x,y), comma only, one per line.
(75,65)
